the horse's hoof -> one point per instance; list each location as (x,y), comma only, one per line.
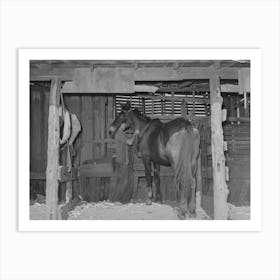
(181,216)
(148,202)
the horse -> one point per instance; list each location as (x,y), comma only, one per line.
(175,143)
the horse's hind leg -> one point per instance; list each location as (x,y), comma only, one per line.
(195,161)
(182,197)
(157,196)
(147,164)
(183,202)
(191,196)
(191,189)
(187,197)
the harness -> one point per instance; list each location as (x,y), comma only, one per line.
(137,136)
(140,135)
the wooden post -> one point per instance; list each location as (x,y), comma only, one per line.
(217,142)
(53,151)
(198,183)
(238,109)
(246,107)
(68,195)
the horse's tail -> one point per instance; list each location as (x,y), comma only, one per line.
(185,169)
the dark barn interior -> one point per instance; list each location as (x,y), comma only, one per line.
(109,169)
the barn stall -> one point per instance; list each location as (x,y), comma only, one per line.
(213,95)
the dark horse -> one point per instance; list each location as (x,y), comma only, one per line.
(175,143)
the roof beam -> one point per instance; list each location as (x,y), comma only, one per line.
(182,73)
(140,74)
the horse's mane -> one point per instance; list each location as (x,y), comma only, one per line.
(141,115)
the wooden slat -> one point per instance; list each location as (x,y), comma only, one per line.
(87,124)
(207,172)
(65,176)
(96,170)
(37,176)
(101,80)
(177,98)
(240,119)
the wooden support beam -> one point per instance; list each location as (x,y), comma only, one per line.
(53,151)
(171,74)
(198,183)
(224,115)
(217,141)
(47,73)
(140,74)
(69,191)
(244,80)
(101,80)
(197,100)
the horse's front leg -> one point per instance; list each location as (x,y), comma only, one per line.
(148,169)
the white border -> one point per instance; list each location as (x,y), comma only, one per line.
(25,55)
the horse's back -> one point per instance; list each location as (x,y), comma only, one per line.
(169,128)
(163,141)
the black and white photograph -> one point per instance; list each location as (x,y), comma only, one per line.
(140,139)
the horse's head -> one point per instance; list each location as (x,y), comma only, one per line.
(123,119)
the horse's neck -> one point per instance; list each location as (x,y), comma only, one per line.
(140,124)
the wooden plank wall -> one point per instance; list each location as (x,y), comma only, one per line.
(237,136)
(91,111)
(39,100)
(95,114)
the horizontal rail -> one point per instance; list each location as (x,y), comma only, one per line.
(37,175)
(241,119)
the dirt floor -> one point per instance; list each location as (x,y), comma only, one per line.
(117,211)
(38,211)
(132,211)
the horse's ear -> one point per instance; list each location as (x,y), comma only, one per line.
(126,106)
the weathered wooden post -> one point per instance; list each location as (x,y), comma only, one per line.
(69,190)
(217,142)
(198,194)
(53,151)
